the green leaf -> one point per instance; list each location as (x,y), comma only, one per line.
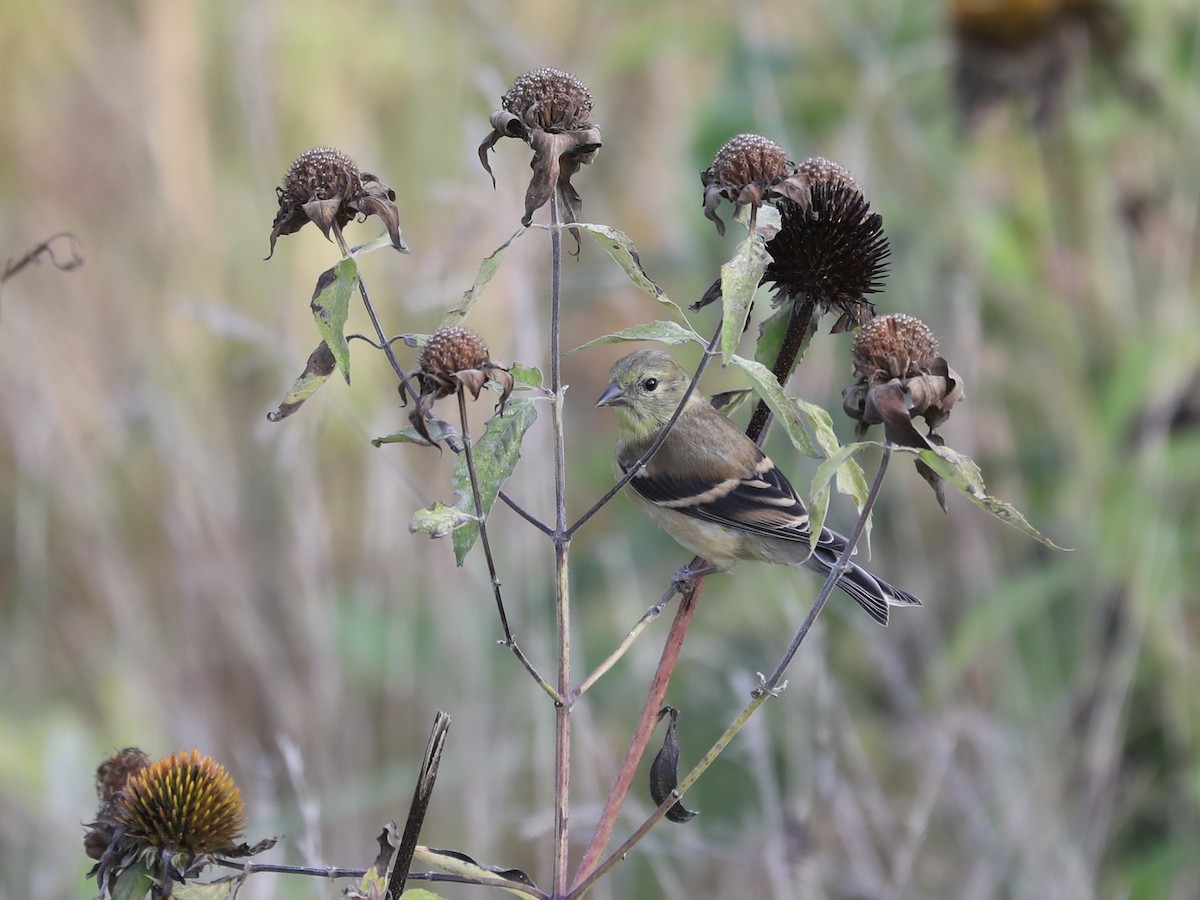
(215,890)
(787,412)
(331,305)
(740,278)
(662,331)
(835,465)
(512,881)
(526,378)
(316,373)
(384,240)
(134,884)
(771,334)
(420,894)
(439,520)
(961,471)
(487,270)
(439,430)
(621,249)
(495,455)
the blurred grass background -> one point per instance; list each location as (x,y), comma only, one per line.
(175,571)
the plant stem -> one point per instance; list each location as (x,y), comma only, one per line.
(419,806)
(647,617)
(509,641)
(641,735)
(562,593)
(799,323)
(770,687)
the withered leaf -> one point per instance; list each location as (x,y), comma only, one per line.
(664,771)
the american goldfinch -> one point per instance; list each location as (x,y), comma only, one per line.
(712,489)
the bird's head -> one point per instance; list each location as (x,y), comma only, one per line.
(644,388)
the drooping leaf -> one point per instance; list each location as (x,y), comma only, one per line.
(331,305)
(625,254)
(662,331)
(495,455)
(316,373)
(384,240)
(833,466)
(664,771)
(771,334)
(134,884)
(513,881)
(215,890)
(439,520)
(439,430)
(963,474)
(526,378)
(487,270)
(786,412)
(727,402)
(740,278)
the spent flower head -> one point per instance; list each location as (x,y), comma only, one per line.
(169,818)
(750,170)
(325,186)
(453,359)
(830,252)
(551,111)
(902,376)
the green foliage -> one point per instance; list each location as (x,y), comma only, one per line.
(331,306)
(740,278)
(496,454)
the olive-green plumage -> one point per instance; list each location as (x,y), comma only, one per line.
(712,489)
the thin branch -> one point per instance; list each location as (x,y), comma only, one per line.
(420,804)
(641,735)
(338,872)
(562,593)
(647,617)
(46,249)
(509,641)
(769,687)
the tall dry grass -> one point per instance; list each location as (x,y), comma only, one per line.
(176,571)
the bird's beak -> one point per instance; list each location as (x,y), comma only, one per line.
(613,396)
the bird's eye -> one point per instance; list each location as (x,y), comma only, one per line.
(650,384)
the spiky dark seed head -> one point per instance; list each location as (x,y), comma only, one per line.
(894,346)
(453,349)
(321,173)
(549,99)
(183,802)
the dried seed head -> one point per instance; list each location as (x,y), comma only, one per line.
(549,99)
(750,159)
(321,173)
(115,771)
(453,349)
(819,169)
(894,346)
(183,803)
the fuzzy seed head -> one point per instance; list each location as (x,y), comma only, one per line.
(321,173)
(818,169)
(115,772)
(894,346)
(750,159)
(453,349)
(549,99)
(184,803)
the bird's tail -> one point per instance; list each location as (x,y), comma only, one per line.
(871,593)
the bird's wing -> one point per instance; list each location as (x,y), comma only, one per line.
(761,501)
